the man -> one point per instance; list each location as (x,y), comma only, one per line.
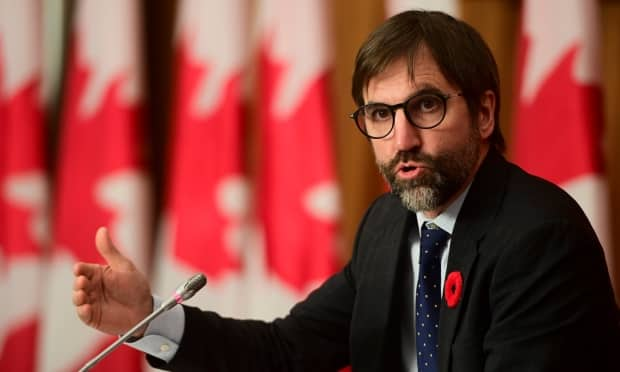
(508,273)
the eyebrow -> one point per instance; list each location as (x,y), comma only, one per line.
(426,89)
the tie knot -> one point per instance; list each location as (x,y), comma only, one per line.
(433,238)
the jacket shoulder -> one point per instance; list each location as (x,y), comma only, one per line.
(531,198)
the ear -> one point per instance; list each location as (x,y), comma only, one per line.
(486,115)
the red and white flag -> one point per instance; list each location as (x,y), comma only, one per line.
(558,128)
(206,197)
(101,176)
(23,184)
(298,203)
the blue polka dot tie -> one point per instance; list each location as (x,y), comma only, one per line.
(428,297)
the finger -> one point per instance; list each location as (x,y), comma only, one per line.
(85,313)
(86,269)
(108,251)
(79,298)
(81,283)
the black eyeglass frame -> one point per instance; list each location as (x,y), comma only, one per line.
(443,96)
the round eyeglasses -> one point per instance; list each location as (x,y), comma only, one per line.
(424,110)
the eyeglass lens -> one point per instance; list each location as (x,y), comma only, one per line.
(425,111)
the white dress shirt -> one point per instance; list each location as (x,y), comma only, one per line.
(446,222)
(163,334)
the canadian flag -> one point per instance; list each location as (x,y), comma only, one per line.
(207,191)
(23,185)
(100,175)
(559,113)
(393,7)
(298,202)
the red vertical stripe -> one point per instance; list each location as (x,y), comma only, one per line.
(23,195)
(559,120)
(297,202)
(206,187)
(101,179)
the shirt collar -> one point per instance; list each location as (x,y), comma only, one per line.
(447,219)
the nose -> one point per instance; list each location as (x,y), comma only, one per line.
(406,135)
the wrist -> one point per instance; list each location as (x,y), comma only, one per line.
(138,334)
(133,338)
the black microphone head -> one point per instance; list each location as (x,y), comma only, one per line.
(193,285)
(196,282)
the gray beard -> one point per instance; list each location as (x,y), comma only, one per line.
(420,198)
(445,176)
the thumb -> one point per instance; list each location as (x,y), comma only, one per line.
(108,251)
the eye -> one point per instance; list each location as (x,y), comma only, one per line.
(378,112)
(424,104)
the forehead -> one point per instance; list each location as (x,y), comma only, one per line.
(397,82)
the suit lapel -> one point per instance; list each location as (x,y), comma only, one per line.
(378,297)
(476,215)
(463,254)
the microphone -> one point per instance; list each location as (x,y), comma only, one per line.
(183,292)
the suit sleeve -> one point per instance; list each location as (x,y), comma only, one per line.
(551,304)
(313,337)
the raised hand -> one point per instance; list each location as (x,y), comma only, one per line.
(114,297)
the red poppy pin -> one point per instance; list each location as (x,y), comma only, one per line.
(453,288)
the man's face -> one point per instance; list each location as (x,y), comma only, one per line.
(427,168)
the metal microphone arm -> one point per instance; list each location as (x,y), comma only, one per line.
(122,339)
(183,292)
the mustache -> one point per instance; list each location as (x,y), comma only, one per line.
(405,156)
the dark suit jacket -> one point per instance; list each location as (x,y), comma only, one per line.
(536,294)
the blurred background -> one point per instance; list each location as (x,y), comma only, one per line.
(214,136)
